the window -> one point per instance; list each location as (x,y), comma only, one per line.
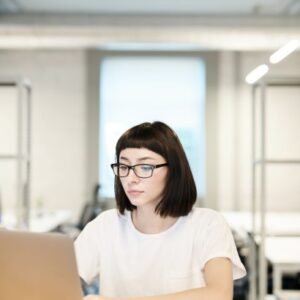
(155,88)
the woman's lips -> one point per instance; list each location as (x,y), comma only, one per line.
(134,193)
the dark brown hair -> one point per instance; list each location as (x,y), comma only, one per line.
(180,191)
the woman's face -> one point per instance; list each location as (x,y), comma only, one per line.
(143,192)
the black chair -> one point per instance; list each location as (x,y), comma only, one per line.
(90,210)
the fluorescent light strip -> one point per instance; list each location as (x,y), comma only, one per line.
(257,73)
(284,51)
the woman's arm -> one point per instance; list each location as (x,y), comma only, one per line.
(219,285)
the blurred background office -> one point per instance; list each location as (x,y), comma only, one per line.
(75,74)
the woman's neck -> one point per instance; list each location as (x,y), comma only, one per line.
(148,222)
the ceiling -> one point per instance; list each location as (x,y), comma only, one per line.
(156,24)
(212,7)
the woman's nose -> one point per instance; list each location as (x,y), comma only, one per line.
(132,176)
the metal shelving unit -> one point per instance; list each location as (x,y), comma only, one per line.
(22,156)
(262,162)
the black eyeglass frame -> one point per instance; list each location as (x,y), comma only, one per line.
(133,168)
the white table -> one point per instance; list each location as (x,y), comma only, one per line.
(284,255)
(282,242)
(39,222)
(287,295)
(276,223)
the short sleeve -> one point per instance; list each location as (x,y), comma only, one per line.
(87,252)
(219,242)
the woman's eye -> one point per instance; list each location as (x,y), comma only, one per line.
(146,167)
(123,168)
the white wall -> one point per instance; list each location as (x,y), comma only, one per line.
(8,144)
(58,123)
(64,165)
(235,141)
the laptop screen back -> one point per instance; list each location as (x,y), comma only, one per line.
(35,266)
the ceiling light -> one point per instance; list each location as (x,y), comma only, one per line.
(257,73)
(284,51)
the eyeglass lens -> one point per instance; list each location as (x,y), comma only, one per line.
(142,170)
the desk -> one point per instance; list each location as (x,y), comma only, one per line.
(282,242)
(277,224)
(39,222)
(284,254)
(288,295)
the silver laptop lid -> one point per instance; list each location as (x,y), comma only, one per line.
(36,266)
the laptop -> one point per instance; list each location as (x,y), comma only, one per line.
(38,266)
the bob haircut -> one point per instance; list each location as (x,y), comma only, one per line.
(179,194)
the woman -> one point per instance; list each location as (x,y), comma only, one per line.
(156,245)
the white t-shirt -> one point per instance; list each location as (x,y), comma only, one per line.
(132,264)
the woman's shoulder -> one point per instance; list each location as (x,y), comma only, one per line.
(204,211)
(108,215)
(104,217)
(206,215)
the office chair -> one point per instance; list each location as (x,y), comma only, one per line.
(90,210)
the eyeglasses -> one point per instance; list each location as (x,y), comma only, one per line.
(140,170)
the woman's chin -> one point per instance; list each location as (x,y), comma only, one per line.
(136,202)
